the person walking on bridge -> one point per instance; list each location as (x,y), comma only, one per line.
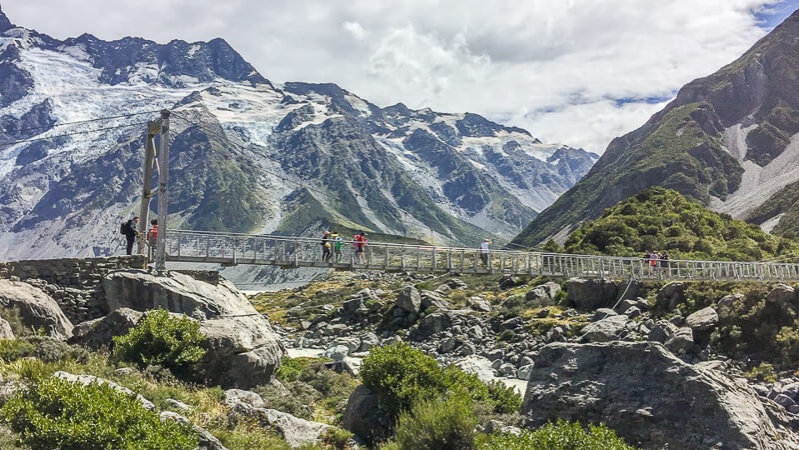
(337,244)
(359,242)
(484,251)
(326,247)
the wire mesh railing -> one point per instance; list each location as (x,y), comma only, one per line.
(293,251)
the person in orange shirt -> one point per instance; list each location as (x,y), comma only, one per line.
(152,235)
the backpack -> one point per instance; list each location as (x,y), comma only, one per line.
(123,228)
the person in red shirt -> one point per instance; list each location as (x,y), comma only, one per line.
(359,242)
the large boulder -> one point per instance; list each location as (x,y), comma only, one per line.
(409,299)
(670,296)
(542,295)
(176,292)
(588,295)
(36,308)
(296,431)
(605,330)
(364,417)
(652,399)
(242,349)
(99,333)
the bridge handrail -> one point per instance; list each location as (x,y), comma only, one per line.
(303,250)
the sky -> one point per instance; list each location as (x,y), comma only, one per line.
(573,72)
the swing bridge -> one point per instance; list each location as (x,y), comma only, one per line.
(230,249)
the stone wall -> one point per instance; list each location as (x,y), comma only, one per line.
(74,283)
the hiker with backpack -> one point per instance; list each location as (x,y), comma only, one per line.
(129,229)
(326,247)
(337,244)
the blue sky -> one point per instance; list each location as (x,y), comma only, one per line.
(577,72)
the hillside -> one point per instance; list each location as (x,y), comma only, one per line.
(660,219)
(726,141)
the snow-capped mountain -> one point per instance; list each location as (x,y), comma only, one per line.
(246,155)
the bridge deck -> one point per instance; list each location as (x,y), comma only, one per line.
(288,252)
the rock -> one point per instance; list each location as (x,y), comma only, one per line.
(477,365)
(98,333)
(603,313)
(234,396)
(682,342)
(670,296)
(178,405)
(681,406)
(478,304)
(433,299)
(409,300)
(351,342)
(662,331)
(5,329)
(435,323)
(242,350)
(364,418)
(177,292)
(542,295)
(509,281)
(632,312)
(36,308)
(783,296)
(703,320)
(369,340)
(89,379)
(543,313)
(588,295)
(205,439)
(296,431)
(337,353)
(605,330)
(524,372)
(507,370)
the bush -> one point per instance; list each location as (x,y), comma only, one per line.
(56,413)
(435,425)
(45,348)
(161,339)
(401,376)
(556,436)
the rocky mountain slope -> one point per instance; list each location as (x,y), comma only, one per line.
(727,140)
(246,155)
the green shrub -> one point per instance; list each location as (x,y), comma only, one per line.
(161,339)
(436,425)
(401,376)
(46,348)
(762,372)
(56,413)
(556,436)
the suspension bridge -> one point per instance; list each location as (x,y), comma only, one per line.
(229,249)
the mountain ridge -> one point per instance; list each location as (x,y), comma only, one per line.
(725,140)
(245,151)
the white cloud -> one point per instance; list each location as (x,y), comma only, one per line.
(355,29)
(556,67)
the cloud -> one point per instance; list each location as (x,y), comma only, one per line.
(574,72)
(355,29)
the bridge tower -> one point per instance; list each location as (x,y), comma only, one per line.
(156,161)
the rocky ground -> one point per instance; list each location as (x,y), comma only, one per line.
(663,365)
(592,341)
